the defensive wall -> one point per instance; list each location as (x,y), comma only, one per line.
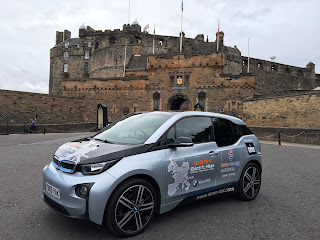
(60,112)
(294,110)
(295,115)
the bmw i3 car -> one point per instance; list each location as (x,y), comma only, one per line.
(148,163)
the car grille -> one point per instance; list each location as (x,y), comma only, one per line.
(56,206)
(64,165)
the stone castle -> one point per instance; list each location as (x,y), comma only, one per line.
(103,75)
(129,70)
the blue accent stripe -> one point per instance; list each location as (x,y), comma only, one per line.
(195,194)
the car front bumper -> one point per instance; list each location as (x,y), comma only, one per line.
(71,205)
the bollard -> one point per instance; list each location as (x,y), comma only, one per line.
(6,117)
(279,139)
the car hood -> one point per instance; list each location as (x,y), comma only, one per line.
(86,151)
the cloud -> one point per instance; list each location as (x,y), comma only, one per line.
(287,29)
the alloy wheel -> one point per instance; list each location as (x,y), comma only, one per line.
(251,182)
(134,208)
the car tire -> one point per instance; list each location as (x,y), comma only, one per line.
(131,208)
(250,182)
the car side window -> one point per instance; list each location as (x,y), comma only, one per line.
(223,132)
(199,129)
(170,136)
(241,130)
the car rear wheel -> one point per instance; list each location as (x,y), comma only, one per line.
(131,208)
(250,182)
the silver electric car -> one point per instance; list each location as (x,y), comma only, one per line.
(148,163)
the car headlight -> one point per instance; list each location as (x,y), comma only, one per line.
(96,168)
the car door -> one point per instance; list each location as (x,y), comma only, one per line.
(190,169)
(229,149)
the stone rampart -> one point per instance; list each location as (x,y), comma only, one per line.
(48,109)
(299,110)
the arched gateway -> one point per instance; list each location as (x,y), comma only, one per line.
(179,101)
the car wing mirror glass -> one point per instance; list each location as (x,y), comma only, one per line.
(181,142)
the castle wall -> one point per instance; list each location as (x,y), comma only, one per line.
(300,111)
(275,77)
(49,109)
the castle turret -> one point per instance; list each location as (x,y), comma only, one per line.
(59,37)
(220,39)
(66,35)
(135,26)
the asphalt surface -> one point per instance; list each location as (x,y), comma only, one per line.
(287,207)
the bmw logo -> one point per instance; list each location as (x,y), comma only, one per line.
(195,183)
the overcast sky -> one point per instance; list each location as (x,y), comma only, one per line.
(287,29)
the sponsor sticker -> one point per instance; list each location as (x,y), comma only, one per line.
(230,154)
(220,191)
(237,164)
(251,149)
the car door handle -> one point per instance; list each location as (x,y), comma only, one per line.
(213,153)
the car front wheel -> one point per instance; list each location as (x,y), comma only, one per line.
(131,208)
(250,182)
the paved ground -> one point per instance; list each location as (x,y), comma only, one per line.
(287,207)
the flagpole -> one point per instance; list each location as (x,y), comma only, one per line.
(248,56)
(154,36)
(181,26)
(125,57)
(129,13)
(218,37)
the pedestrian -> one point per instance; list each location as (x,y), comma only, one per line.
(33,124)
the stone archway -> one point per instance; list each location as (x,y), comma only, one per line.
(180,102)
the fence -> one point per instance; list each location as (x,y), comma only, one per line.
(294,135)
(48,128)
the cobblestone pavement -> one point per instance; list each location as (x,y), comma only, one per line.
(287,206)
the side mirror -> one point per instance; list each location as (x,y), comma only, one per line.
(181,142)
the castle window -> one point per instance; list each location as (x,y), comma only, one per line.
(273,68)
(300,73)
(113,40)
(86,55)
(65,67)
(89,44)
(86,67)
(66,44)
(65,55)
(156,101)
(259,65)
(171,80)
(187,80)
(244,62)
(202,99)
(96,46)
(160,43)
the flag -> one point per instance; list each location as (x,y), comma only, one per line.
(146,27)
(182,6)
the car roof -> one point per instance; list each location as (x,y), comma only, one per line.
(178,115)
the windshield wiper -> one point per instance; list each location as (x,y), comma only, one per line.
(105,141)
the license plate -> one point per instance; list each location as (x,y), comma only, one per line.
(53,190)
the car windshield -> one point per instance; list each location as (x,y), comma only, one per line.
(133,130)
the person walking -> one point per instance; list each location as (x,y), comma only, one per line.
(33,125)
